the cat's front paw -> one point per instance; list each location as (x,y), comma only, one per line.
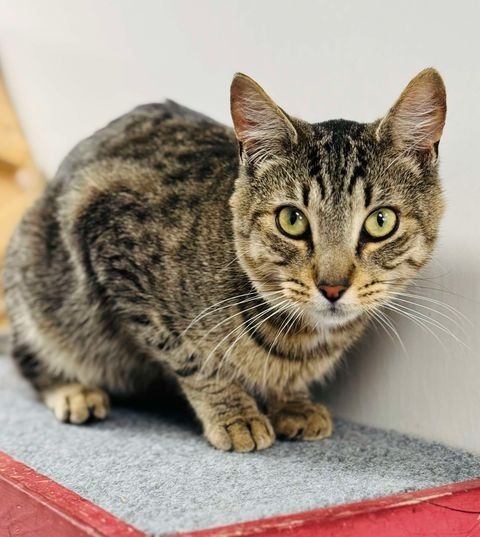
(302,421)
(74,403)
(241,433)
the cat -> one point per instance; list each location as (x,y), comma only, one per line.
(239,264)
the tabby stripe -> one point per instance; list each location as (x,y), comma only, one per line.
(140,319)
(301,293)
(256,215)
(399,241)
(356,176)
(368,194)
(27,361)
(409,261)
(369,284)
(126,275)
(374,292)
(190,367)
(315,171)
(306,194)
(387,266)
(167,343)
(413,263)
(187,371)
(282,246)
(321,184)
(298,282)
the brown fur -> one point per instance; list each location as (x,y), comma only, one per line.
(153,254)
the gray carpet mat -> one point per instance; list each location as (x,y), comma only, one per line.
(153,469)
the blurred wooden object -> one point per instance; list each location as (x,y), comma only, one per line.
(20,180)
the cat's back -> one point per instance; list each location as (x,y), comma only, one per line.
(156,171)
(176,143)
(163,157)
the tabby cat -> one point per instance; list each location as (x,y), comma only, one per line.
(240,264)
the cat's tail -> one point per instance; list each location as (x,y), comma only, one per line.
(4,341)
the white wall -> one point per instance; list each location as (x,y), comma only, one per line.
(73,66)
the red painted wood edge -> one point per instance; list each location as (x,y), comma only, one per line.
(34,505)
(448,511)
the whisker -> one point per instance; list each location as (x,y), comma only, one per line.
(387,323)
(284,324)
(401,282)
(229,318)
(199,316)
(247,329)
(274,307)
(372,314)
(206,313)
(418,323)
(429,320)
(405,301)
(453,310)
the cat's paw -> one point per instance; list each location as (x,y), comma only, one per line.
(302,421)
(73,403)
(241,433)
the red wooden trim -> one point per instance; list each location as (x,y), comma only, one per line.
(449,510)
(34,505)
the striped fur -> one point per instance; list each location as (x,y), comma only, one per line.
(154,257)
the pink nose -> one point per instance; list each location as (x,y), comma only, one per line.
(332,292)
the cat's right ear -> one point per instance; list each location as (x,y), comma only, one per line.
(415,123)
(262,128)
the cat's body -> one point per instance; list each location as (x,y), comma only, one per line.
(137,265)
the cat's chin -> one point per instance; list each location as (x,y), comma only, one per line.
(335,317)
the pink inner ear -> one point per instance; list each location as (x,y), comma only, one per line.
(260,125)
(242,124)
(421,117)
(243,95)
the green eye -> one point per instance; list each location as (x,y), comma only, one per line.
(292,222)
(381,223)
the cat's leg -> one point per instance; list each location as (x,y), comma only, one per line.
(70,402)
(296,417)
(230,417)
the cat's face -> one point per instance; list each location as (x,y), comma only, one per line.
(332,219)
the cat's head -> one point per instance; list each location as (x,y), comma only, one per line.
(334,218)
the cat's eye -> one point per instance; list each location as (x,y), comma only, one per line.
(292,222)
(381,223)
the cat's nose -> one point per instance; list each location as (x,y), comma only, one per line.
(332,291)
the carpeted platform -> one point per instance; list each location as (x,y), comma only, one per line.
(156,472)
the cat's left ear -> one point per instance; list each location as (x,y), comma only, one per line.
(262,128)
(415,123)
